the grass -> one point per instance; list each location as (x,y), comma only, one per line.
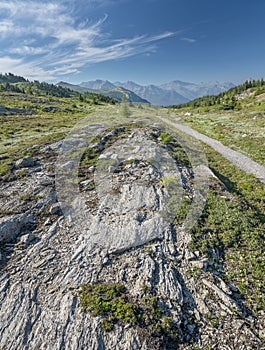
(115,305)
(232,229)
(29,197)
(108,301)
(241,130)
(20,132)
(232,223)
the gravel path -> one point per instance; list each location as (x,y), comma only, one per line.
(236,158)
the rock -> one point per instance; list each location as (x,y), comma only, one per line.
(86,182)
(111,169)
(12,226)
(198,263)
(91,169)
(67,166)
(48,222)
(54,147)
(26,162)
(122,238)
(55,209)
(27,238)
(46,183)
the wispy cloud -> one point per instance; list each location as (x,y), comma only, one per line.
(189,40)
(45,40)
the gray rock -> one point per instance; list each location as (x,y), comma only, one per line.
(91,169)
(27,238)
(86,182)
(39,299)
(12,226)
(48,222)
(26,162)
(55,209)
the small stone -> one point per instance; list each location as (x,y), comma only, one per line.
(198,263)
(55,209)
(27,238)
(68,165)
(91,169)
(26,162)
(105,260)
(46,183)
(191,328)
(103,156)
(111,169)
(86,182)
(48,222)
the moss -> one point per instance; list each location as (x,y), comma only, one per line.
(114,304)
(165,137)
(103,299)
(29,197)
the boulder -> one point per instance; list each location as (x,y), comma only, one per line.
(26,162)
(12,226)
(55,209)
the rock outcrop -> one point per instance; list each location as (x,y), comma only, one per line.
(124,234)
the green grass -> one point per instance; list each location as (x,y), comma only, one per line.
(19,132)
(108,301)
(237,130)
(114,304)
(233,223)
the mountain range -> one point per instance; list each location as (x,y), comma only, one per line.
(174,92)
(106,89)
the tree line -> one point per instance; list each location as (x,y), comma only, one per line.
(227,99)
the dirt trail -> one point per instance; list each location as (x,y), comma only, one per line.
(236,158)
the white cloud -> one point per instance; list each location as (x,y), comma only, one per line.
(188,40)
(41,39)
(30,70)
(28,50)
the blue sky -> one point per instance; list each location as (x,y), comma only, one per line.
(147,41)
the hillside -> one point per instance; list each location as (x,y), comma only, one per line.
(241,96)
(12,83)
(117,93)
(118,231)
(11,78)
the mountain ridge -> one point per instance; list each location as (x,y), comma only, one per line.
(116,93)
(174,92)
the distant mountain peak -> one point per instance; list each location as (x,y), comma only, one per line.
(97,84)
(174,92)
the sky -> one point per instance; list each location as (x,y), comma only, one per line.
(146,41)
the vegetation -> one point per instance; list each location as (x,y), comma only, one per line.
(33,114)
(114,304)
(231,229)
(12,83)
(11,78)
(226,100)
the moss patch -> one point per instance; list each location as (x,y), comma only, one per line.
(115,305)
